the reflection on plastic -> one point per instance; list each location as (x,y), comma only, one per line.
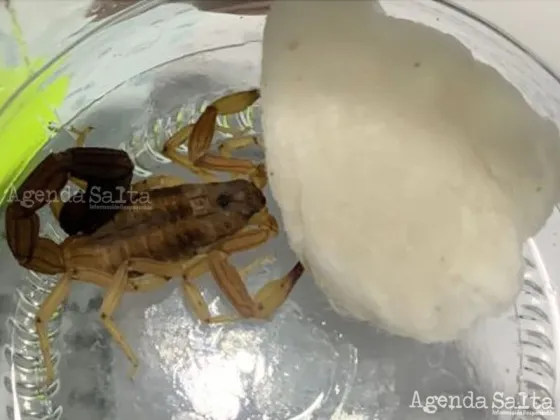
(30,399)
(286,368)
(101,9)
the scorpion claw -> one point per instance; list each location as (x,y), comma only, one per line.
(199,137)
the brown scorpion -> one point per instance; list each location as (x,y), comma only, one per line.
(178,229)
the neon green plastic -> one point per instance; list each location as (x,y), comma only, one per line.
(24,124)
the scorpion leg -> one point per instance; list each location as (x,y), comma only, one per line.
(178,139)
(192,293)
(240,141)
(230,281)
(200,136)
(45,313)
(117,284)
(266,301)
(158,275)
(110,303)
(271,295)
(189,270)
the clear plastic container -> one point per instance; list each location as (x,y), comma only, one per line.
(136,76)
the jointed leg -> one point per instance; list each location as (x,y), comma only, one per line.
(110,303)
(190,269)
(199,143)
(45,313)
(262,229)
(193,294)
(232,131)
(265,302)
(273,294)
(230,281)
(237,142)
(170,150)
(157,274)
(236,167)
(199,136)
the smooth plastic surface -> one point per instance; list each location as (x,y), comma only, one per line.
(307,363)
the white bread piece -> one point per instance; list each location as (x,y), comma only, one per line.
(408,174)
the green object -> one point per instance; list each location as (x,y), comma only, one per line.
(24,123)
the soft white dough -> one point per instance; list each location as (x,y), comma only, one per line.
(407,173)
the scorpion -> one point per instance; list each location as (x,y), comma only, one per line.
(183,229)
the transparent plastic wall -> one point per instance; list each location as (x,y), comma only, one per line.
(138,73)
